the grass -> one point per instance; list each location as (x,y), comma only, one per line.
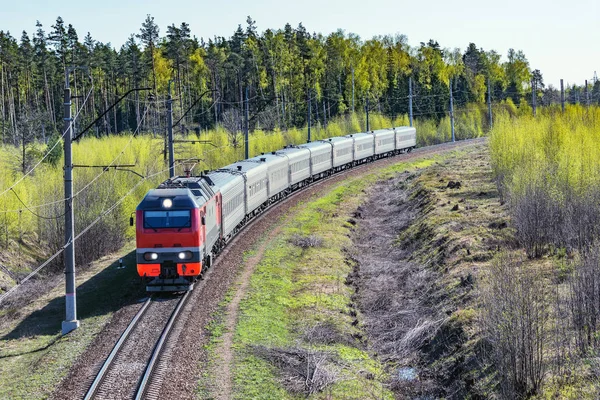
(34,356)
(295,288)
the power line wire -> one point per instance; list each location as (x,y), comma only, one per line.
(51,149)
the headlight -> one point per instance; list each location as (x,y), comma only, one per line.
(167,203)
(150,256)
(185,255)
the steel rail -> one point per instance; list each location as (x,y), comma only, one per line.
(159,347)
(109,360)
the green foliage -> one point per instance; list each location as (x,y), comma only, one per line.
(54,150)
(552,159)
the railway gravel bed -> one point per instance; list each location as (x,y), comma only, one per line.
(122,378)
(184,353)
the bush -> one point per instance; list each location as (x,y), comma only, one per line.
(515,314)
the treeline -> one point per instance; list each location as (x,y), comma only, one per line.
(279,70)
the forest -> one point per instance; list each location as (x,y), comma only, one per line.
(280,72)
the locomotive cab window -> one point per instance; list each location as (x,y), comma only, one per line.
(167,219)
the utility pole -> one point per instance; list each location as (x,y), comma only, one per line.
(452,112)
(70,323)
(368,114)
(247,127)
(490,104)
(533,103)
(352,89)
(170,133)
(410,99)
(308,112)
(587,98)
(562,95)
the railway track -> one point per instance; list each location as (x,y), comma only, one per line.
(137,363)
(130,370)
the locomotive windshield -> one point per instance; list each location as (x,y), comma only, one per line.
(167,219)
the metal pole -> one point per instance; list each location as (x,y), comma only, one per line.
(533,96)
(410,99)
(353,90)
(587,98)
(247,127)
(308,111)
(562,95)
(452,112)
(490,104)
(170,133)
(368,114)
(70,323)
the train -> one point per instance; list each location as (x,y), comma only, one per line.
(183,224)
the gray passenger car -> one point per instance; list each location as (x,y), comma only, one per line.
(320,158)
(233,194)
(255,176)
(277,173)
(299,165)
(384,142)
(406,138)
(342,152)
(363,146)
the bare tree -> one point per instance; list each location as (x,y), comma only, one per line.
(533,218)
(585,299)
(515,314)
(232,123)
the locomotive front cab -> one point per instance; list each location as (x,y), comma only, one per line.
(169,238)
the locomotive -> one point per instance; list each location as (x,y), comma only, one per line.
(185,222)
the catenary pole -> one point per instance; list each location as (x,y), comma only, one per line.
(368,114)
(533,103)
(308,112)
(352,89)
(452,112)
(587,97)
(70,323)
(247,127)
(562,95)
(410,100)
(170,133)
(490,104)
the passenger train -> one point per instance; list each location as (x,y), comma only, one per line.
(184,223)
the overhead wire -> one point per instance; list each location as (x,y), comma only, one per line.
(48,152)
(85,230)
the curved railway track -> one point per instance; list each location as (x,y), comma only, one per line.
(127,370)
(142,358)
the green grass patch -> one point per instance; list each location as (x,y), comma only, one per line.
(293,290)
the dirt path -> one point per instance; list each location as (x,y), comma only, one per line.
(225,352)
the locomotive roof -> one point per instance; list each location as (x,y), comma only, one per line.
(182,199)
(196,184)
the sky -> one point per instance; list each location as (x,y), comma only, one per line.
(560,38)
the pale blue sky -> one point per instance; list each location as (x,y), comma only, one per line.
(561,38)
